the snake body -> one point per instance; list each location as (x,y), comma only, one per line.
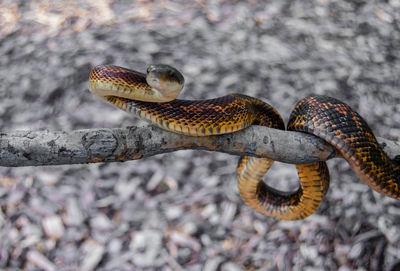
(325,117)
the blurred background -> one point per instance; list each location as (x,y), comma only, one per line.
(182,211)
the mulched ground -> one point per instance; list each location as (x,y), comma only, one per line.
(181,211)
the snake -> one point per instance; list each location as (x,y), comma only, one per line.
(151,96)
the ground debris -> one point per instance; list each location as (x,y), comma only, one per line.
(182,211)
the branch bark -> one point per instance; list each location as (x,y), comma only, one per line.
(39,148)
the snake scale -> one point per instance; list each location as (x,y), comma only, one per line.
(152,96)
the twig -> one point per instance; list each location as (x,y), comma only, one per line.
(39,148)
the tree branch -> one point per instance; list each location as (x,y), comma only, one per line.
(38,148)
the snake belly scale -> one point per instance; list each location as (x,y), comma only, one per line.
(152,96)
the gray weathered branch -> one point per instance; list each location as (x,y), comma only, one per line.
(38,148)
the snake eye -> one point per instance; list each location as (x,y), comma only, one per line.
(153,81)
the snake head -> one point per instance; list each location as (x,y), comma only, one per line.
(166,79)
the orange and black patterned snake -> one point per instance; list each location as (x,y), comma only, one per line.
(152,96)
